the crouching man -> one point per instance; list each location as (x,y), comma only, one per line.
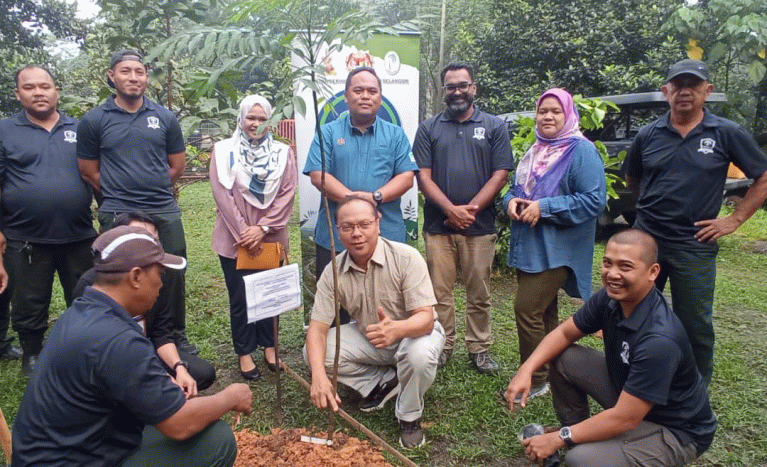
(392,345)
(98,382)
(657,411)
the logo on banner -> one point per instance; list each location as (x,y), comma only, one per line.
(479,133)
(153,122)
(358,59)
(70,136)
(392,62)
(707,145)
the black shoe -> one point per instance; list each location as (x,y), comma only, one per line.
(411,435)
(444,357)
(272,366)
(484,363)
(380,395)
(28,363)
(11,353)
(184,344)
(252,375)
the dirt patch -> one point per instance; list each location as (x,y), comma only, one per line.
(285,448)
(759,247)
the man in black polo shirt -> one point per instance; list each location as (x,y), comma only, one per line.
(464,157)
(679,164)
(46,214)
(132,152)
(657,411)
(99,383)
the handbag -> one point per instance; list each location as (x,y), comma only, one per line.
(272,254)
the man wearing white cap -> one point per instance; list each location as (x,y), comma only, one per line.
(99,383)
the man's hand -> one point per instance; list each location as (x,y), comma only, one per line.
(462,216)
(185,381)
(241,397)
(715,228)
(322,393)
(519,385)
(384,333)
(367,195)
(251,238)
(540,447)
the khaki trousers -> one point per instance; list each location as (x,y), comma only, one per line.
(473,255)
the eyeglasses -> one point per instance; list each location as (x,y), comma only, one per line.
(463,87)
(348,227)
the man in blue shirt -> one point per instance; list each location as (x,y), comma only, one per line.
(656,404)
(46,207)
(131,150)
(100,396)
(679,165)
(364,155)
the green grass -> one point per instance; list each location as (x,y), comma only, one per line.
(466,424)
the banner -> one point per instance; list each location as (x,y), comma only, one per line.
(396,61)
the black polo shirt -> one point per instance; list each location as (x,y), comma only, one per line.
(682,179)
(462,157)
(132,149)
(44,199)
(649,356)
(97,383)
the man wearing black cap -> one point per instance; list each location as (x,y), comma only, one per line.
(99,382)
(132,152)
(45,211)
(679,165)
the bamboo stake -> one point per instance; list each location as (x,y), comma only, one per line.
(355,424)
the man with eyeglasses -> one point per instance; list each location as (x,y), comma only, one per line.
(679,165)
(464,157)
(364,155)
(392,345)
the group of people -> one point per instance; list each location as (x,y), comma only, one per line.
(117,381)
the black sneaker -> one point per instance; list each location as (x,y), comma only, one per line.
(484,363)
(11,353)
(411,435)
(28,364)
(184,345)
(444,357)
(380,395)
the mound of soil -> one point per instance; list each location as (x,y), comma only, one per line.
(285,448)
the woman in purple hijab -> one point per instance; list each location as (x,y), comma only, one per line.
(558,193)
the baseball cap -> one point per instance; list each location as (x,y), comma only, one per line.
(121,56)
(690,67)
(126,247)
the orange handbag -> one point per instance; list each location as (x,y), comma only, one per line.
(272,254)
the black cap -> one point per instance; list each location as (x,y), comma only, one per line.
(689,67)
(121,56)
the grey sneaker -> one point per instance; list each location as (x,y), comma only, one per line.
(444,357)
(484,363)
(380,395)
(411,435)
(536,391)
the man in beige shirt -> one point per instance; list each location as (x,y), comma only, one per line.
(393,342)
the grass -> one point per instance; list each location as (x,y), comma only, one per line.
(465,422)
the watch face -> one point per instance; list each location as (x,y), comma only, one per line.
(565,432)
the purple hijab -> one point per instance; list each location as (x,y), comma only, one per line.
(542,167)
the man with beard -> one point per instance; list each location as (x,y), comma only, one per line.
(131,150)
(464,157)
(365,156)
(46,208)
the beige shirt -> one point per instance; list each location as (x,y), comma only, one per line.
(396,279)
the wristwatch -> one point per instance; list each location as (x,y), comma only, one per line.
(378,197)
(265,228)
(566,436)
(181,363)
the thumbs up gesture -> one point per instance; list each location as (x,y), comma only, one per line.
(384,333)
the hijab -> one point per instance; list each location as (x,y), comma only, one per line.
(542,167)
(253,167)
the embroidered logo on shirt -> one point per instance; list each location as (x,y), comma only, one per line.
(707,145)
(340,141)
(625,352)
(479,133)
(70,136)
(153,122)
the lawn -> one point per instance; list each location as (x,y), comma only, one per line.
(466,424)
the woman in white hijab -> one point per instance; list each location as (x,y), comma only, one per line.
(253,179)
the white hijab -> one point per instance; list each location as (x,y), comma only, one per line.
(255,168)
